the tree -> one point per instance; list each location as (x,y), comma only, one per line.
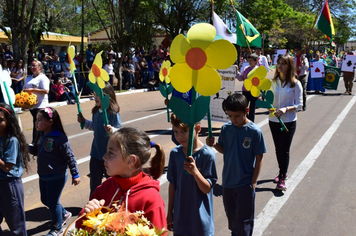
(19,17)
(177,16)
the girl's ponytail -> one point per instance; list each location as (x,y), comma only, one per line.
(157,162)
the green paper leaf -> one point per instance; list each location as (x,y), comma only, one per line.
(94,87)
(181,109)
(105,102)
(263,104)
(269,97)
(162,89)
(199,109)
(190,115)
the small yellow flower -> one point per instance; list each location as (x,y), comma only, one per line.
(164,72)
(272,111)
(71,54)
(97,73)
(256,81)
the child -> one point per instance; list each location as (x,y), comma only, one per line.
(190,206)
(60,91)
(13,159)
(127,151)
(101,138)
(131,71)
(54,155)
(242,143)
(17,76)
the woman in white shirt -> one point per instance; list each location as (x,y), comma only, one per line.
(288,100)
(110,69)
(37,83)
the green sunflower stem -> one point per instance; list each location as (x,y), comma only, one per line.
(165,85)
(101,95)
(210,135)
(191,126)
(77,99)
(284,127)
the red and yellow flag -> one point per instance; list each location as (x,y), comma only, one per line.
(325,22)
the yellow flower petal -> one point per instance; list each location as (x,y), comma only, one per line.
(71,51)
(168,78)
(179,48)
(265,84)
(98,60)
(101,83)
(221,54)
(255,91)
(208,81)
(104,75)
(259,72)
(92,78)
(181,77)
(201,35)
(248,84)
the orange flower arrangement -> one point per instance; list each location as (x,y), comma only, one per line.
(120,222)
(25,100)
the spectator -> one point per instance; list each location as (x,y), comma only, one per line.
(37,83)
(31,55)
(84,79)
(62,54)
(8,54)
(68,83)
(144,71)
(17,76)
(131,73)
(60,91)
(136,63)
(125,72)
(55,66)
(153,52)
(161,53)
(41,55)
(89,55)
(110,69)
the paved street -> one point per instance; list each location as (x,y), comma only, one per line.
(320,196)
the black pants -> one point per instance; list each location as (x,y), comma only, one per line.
(304,80)
(282,142)
(252,105)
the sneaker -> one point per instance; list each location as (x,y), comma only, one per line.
(66,217)
(277,179)
(281,185)
(55,232)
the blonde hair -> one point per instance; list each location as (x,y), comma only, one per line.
(39,64)
(132,141)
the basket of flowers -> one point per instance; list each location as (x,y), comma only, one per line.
(25,100)
(118,222)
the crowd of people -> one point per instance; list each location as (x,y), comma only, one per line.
(121,155)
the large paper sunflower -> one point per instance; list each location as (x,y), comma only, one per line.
(197,56)
(256,81)
(97,73)
(164,72)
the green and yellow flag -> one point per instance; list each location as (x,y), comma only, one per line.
(325,22)
(252,35)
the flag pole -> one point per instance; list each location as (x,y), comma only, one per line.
(312,28)
(241,29)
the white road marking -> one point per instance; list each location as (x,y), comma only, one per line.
(273,206)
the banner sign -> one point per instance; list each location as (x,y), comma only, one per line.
(332,76)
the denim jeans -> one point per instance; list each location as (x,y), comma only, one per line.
(131,80)
(97,171)
(12,206)
(51,191)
